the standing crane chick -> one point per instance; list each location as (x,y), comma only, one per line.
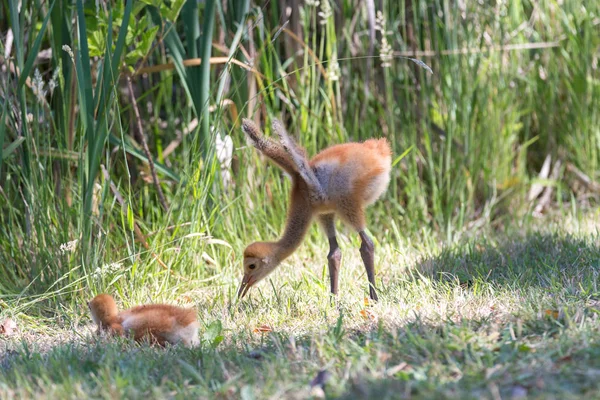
(339,181)
(157,323)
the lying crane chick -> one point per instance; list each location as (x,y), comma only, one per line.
(339,181)
(155,323)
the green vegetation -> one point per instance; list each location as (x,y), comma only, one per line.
(479,321)
(110,181)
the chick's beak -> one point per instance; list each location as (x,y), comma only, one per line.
(247,282)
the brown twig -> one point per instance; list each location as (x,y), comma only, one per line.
(194,62)
(310,52)
(142,138)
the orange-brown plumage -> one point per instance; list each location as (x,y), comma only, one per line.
(106,314)
(154,323)
(339,181)
(353,175)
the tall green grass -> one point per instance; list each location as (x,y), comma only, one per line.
(511,83)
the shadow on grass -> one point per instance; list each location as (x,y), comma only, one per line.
(467,360)
(548,349)
(548,261)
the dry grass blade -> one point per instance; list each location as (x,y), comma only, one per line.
(546,197)
(586,180)
(538,188)
(477,50)
(310,52)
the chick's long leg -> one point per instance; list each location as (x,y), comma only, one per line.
(353,212)
(334,257)
(367,253)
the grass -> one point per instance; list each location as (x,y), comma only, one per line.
(478,300)
(490,318)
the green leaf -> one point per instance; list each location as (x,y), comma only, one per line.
(147,39)
(139,6)
(84,75)
(130,37)
(133,56)
(212,336)
(2,132)
(141,156)
(173,12)
(177,51)
(14,19)
(217,341)
(130,221)
(401,156)
(233,47)
(11,147)
(523,348)
(111,74)
(192,371)
(204,77)
(97,44)
(35,49)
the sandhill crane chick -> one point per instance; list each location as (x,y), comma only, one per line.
(341,181)
(154,323)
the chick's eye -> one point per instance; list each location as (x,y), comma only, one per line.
(252,266)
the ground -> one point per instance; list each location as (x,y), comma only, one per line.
(502,316)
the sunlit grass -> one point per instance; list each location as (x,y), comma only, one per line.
(491,316)
(480,297)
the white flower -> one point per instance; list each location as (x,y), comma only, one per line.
(224,150)
(312,3)
(380,22)
(325,12)
(386,53)
(333,72)
(54,81)
(69,52)
(107,269)
(68,247)
(37,86)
